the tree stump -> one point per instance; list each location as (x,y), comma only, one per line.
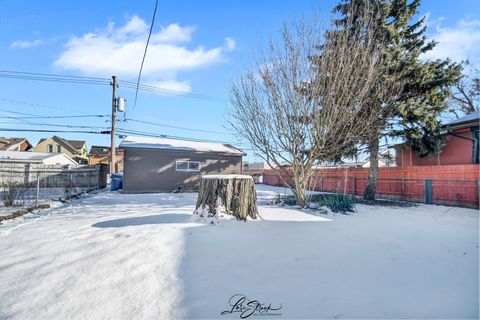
(233,193)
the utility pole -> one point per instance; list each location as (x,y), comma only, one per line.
(114,123)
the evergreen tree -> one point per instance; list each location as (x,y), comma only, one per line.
(412,113)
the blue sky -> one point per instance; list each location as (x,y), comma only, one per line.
(197,46)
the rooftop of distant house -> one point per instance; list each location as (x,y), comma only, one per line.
(9,144)
(72,144)
(103,150)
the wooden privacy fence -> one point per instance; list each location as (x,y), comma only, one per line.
(456,185)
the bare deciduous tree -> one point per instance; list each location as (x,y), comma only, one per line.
(465,97)
(296,112)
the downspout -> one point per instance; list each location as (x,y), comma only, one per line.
(462,137)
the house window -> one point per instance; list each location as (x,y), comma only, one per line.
(187,166)
(193,166)
(59,148)
(50,148)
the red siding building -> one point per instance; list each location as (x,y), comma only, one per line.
(461,145)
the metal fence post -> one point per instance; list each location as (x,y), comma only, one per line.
(89,179)
(403,189)
(69,183)
(427,189)
(97,179)
(478,193)
(26,177)
(38,189)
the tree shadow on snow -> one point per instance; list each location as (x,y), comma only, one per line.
(139,221)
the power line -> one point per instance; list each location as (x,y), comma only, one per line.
(21,113)
(53,79)
(41,105)
(145,52)
(30,115)
(53,117)
(173,127)
(100,81)
(25,120)
(160,90)
(157,135)
(52,75)
(55,131)
(29,123)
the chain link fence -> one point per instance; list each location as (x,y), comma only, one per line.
(26,186)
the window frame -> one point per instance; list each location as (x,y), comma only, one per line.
(194,170)
(59,148)
(188,169)
(50,148)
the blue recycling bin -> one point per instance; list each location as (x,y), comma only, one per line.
(116,182)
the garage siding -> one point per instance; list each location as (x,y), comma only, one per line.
(153,170)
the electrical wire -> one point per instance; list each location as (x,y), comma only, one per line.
(30,123)
(145,52)
(58,131)
(41,105)
(160,90)
(52,75)
(173,127)
(21,113)
(157,135)
(54,117)
(53,79)
(100,81)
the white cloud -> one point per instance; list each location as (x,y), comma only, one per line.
(135,26)
(230,44)
(172,85)
(119,51)
(457,43)
(25,43)
(174,33)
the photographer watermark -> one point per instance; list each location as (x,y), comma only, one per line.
(239,303)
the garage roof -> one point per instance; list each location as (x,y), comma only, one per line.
(181,145)
(468,121)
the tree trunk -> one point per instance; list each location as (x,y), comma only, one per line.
(299,188)
(300,197)
(370,189)
(235,194)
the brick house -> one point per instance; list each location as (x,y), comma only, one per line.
(461,145)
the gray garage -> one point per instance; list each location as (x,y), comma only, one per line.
(165,165)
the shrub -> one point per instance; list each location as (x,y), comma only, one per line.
(335,202)
(339,203)
(284,200)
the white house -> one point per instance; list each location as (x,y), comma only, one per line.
(37,157)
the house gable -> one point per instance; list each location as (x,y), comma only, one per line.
(14,144)
(66,147)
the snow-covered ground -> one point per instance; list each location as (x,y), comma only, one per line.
(48,196)
(125,256)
